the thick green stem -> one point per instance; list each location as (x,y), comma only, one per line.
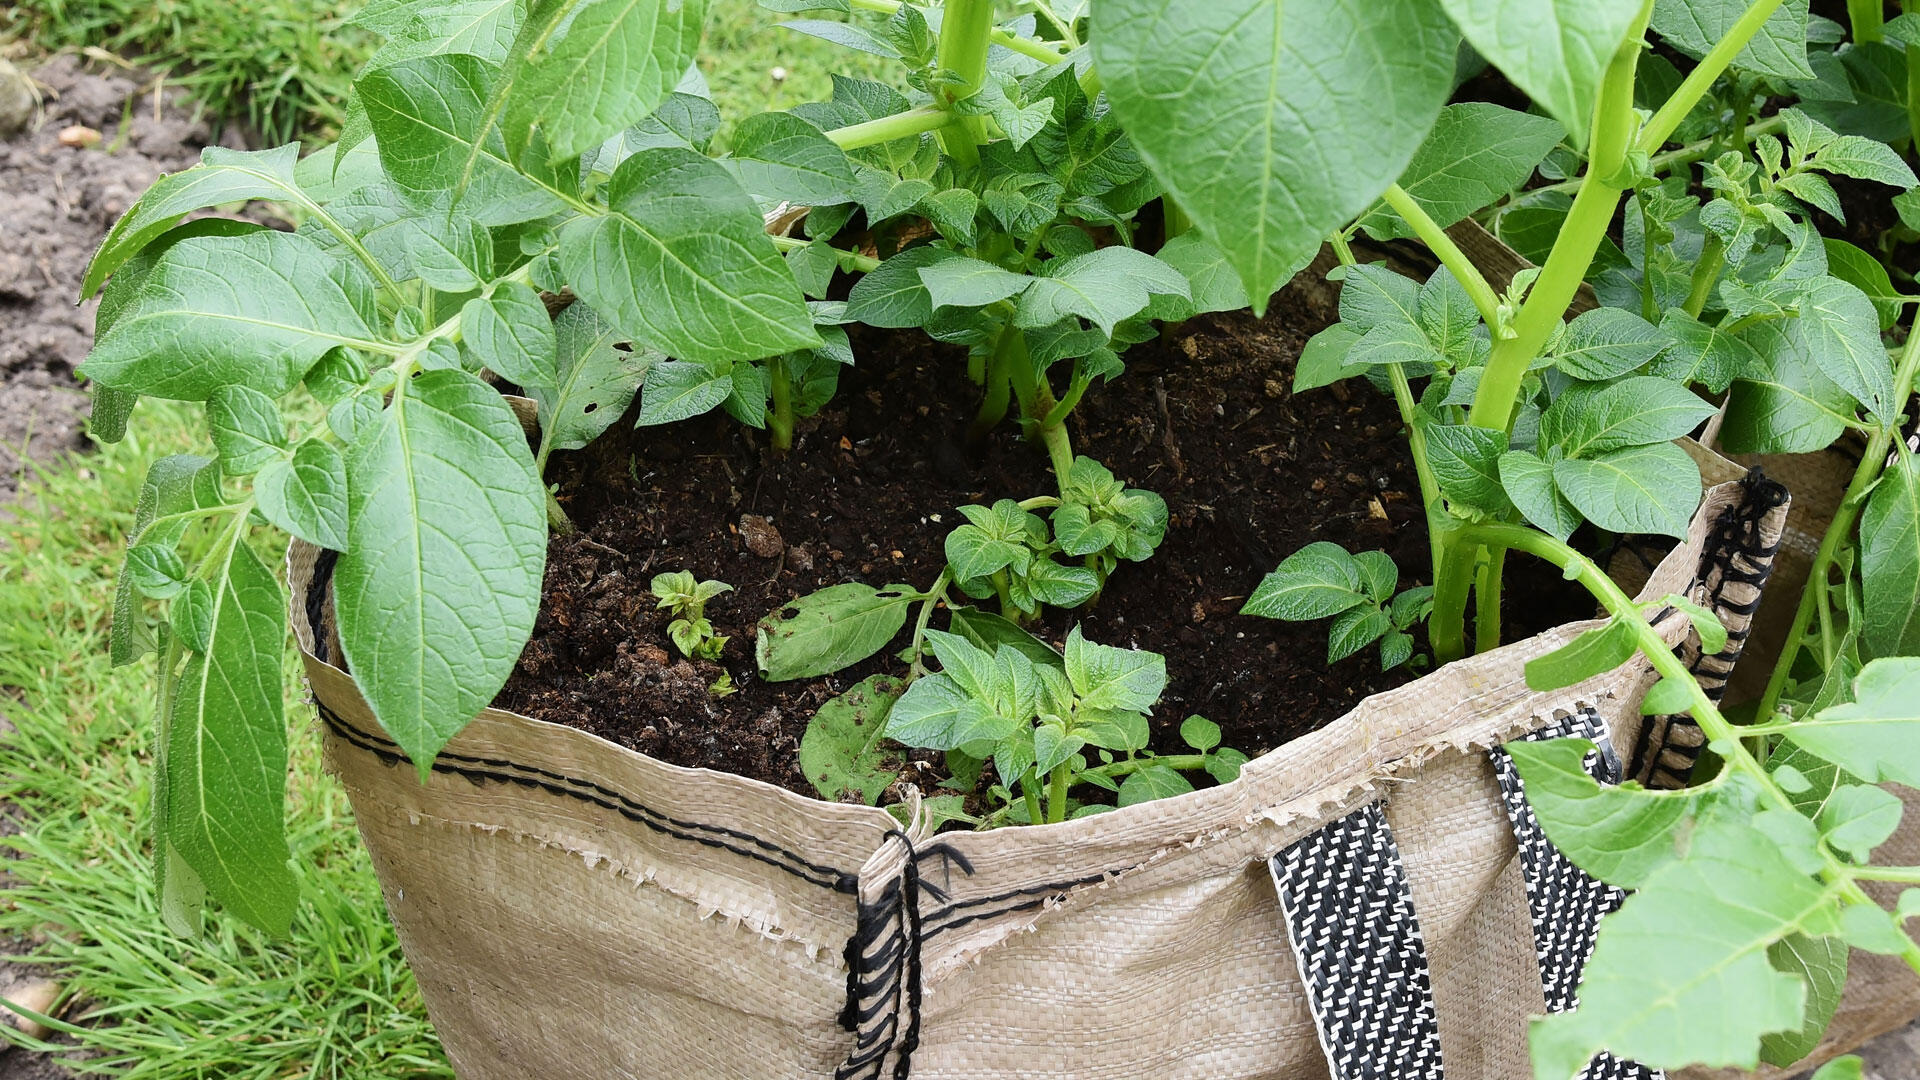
(966,28)
(934,596)
(998,380)
(1003,589)
(1721,734)
(1840,532)
(1868,19)
(898,126)
(1057,792)
(1580,236)
(1039,50)
(1442,245)
(1447,626)
(1030,791)
(1486,593)
(1037,405)
(780,416)
(1661,162)
(1698,81)
(1706,274)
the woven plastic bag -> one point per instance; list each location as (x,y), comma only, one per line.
(1370,900)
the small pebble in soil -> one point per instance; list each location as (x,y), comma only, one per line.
(761,537)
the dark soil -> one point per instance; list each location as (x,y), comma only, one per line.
(56,202)
(1204,416)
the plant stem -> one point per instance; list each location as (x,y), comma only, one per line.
(1580,236)
(1721,735)
(1695,86)
(1417,444)
(1868,18)
(1057,793)
(998,380)
(780,417)
(851,260)
(1178,762)
(1840,532)
(898,126)
(1706,273)
(1004,591)
(1442,245)
(1679,155)
(966,27)
(1447,626)
(1486,593)
(1029,790)
(934,596)
(1037,405)
(1039,50)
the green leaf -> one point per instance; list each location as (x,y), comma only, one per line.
(782,158)
(1105,677)
(246,429)
(1783,405)
(1618,833)
(511,333)
(825,631)
(1712,632)
(1246,111)
(966,282)
(1595,651)
(592,67)
(1355,630)
(1324,359)
(225,735)
(1152,782)
(446,545)
(937,713)
(683,263)
(192,615)
(223,176)
(1680,974)
(425,113)
(196,326)
(1702,355)
(1200,733)
(1315,582)
(1857,818)
(174,485)
(894,296)
(1890,560)
(1839,328)
(1049,583)
(1876,736)
(1864,159)
(988,631)
(598,376)
(1850,1067)
(1215,285)
(1103,287)
(1869,275)
(1821,963)
(1447,315)
(1873,101)
(1590,420)
(306,495)
(674,390)
(837,752)
(1870,928)
(1476,154)
(1606,343)
(1667,696)
(1779,50)
(156,570)
(1528,481)
(1465,461)
(1554,50)
(1380,574)
(1372,296)
(847,35)
(1640,489)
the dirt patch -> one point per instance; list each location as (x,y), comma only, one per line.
(1204,416)
(56,202)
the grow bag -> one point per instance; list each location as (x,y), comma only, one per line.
(1372,900)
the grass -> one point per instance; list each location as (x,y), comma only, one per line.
(334,999)
(281,66)
(284,66)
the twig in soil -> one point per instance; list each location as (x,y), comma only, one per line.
(1166,427)
(589,542)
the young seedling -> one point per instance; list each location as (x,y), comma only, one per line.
(1102,521)
(1323,580)
(690,631)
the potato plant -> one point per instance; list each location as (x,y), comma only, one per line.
(496,155)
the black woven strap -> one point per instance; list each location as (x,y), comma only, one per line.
(1350,920)
(1565,904)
